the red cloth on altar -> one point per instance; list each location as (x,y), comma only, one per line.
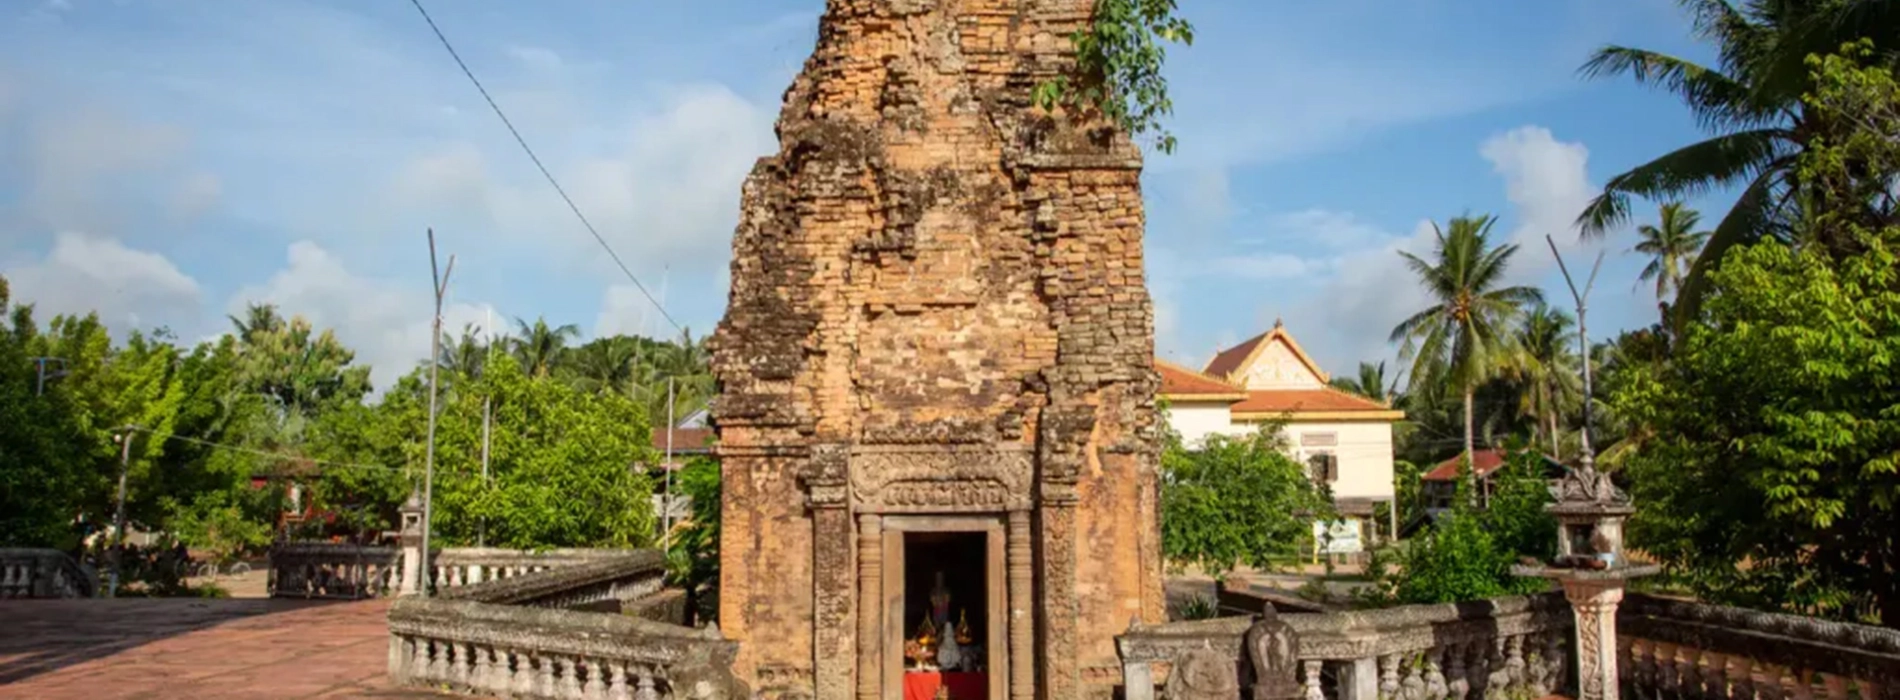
(922,685)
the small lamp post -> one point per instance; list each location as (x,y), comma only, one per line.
(1593,570)
(413,565)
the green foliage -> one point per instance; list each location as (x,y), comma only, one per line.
(561,464)
(1469,553)
(1119,57)
(696,544)
(43,471)
(1775,423)
(1196,607)
(1236,501)
(220,523)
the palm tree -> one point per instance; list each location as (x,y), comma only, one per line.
(538,346)
(464,356)
(258,318)
(1546,366)
(1464,338)
(1671,243)
(1370,382)
(1751,102)
(607,365)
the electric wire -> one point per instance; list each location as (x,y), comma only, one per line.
(543,168)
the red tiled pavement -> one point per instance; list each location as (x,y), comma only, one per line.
(194,648)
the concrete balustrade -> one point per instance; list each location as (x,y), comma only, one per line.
(43,573)
(1676,649)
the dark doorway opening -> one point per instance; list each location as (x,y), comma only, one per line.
(959,560)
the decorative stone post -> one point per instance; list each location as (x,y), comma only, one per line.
(1590,564)
(411,541)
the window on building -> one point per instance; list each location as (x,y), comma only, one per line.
(1324,467)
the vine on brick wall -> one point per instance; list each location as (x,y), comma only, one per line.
(1118,67)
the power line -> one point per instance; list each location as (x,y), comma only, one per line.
(267,453)
(543,168)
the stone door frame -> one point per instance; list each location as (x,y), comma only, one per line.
(997,596)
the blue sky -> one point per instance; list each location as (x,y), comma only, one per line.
(165,162)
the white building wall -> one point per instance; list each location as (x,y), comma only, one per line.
(1364,449)
(1196,421)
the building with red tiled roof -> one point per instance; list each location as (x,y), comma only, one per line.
(1270,379)
(1440,485)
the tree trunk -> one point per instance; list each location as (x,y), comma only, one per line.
(1556,448)
(1471,453)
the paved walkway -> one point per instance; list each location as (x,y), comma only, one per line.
(194,648)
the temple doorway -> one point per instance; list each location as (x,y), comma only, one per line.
(945,625)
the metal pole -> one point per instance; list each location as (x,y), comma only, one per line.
(1583,346)
(666,493)
(118,516)
(440,284)
(481,526)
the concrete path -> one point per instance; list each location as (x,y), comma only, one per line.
(194,648)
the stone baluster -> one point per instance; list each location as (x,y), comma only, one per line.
(549,686)
(1413,687)
(1514,663)
(1803,688)
(1389,677)
(617,681)
(1742,678)
(527,676)
(646,691)
(1835,687)
(1774,682)
(1668,677)
(570,685)
(596,686)
(1690,672)
(1435,674)
(1311,681)
(1714,675)
(1457,682)
(489,670)
(1537,671)
(1497,680)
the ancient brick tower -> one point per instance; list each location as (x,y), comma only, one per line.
(936,358)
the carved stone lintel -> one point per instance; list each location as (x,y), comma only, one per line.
(939,478)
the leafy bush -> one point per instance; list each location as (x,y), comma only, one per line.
(1469,553)
(1196,607)
(1236,500)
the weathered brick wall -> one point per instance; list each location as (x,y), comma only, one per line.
(926,260)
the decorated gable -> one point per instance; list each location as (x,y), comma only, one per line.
(1278,366)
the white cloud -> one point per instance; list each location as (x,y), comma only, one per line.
(388,324)
(129,288)
(537,57)
(1335,230)
(668,192)
(1267,266)
(1547,184)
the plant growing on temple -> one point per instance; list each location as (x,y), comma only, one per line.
(1118,62)
(1774,424)
(1236,500)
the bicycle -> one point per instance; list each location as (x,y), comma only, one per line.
(210,569)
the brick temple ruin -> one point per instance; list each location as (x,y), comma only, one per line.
(937,399)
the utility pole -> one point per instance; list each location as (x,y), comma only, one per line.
(1583,346)
(481,526)
(124,438)
(440,284)
(40,364)
(666,492)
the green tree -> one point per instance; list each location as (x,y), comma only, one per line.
(1771,476)
(1464,338)
(1369,382)
(539,347)
(696,544)
(44,471)
(1671,243)
(561,464)
(1236,500)
(1752,102)
(1468,554)
(1545,367)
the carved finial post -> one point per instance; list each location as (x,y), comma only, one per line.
(1590,511)
(1273,648)
(411,541)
